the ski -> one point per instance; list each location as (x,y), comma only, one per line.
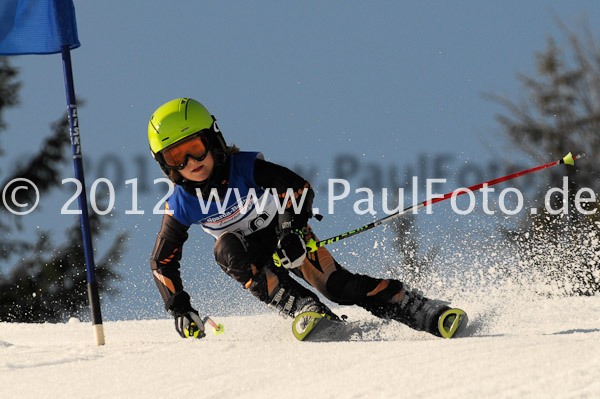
(452,323)
(319,327)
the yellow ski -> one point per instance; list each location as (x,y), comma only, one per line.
(452,323)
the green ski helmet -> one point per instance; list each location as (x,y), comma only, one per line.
(181,118)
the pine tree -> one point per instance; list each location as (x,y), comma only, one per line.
(561,113)
(40,280)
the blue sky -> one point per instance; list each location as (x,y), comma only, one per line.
(388,84)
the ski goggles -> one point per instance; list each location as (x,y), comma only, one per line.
(176,155)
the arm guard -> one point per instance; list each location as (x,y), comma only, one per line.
(165,262)
(267,174)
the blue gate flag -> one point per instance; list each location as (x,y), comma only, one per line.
(37,26)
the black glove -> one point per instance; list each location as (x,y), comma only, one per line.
(291,249)
(187,322)
(189,325)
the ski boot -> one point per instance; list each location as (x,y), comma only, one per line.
(292,302)
(423,314)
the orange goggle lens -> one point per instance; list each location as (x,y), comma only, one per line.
(177,154)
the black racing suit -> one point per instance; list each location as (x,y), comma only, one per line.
(248,259)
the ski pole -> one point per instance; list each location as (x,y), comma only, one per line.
(313,245)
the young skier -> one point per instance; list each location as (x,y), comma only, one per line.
(190,149)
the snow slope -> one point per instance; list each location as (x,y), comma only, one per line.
(527,348)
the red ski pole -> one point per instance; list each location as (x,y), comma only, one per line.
(313,245)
